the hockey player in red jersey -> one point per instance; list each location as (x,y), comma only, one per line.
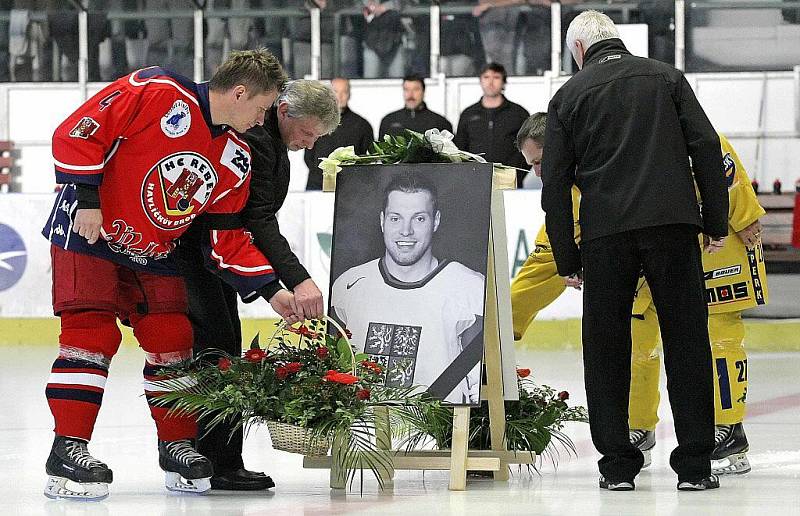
(140,161)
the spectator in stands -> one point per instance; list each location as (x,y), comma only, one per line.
(353,130)
(459,44)
(535,36)
(489,127)
(383,39)
(415,115)
(301,37)
(499,24)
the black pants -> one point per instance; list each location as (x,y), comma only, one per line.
(670,259)
(214,315)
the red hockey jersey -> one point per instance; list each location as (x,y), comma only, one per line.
(148,143)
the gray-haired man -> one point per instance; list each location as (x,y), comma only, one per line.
(623,131)
(304,111)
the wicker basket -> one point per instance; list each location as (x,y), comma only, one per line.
(295,439)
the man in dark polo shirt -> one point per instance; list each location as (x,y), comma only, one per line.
(415,115)
(353,130)
(489,127)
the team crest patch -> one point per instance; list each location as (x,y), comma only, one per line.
(177,189)
(730,168)
(395,348)
(177,121)
(85,128)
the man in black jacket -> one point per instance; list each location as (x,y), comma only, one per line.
(415,115)
(353,130)
(489,127)
(304,111)
(623,130)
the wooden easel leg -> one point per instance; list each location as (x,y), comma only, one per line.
(458,451)
(383,438)
(493,390)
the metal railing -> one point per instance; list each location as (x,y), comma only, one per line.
(624,12)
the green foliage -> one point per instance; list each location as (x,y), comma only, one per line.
(316,382)
(533,424)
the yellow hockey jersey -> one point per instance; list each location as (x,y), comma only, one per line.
(735,277)
(542,241)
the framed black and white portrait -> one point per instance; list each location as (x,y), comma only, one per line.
(408,271)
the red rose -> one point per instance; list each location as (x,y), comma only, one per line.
(363,394)
(372,366)
(293,367)
(563,395)
(337,377)
(224,364)
(523,373)
(281,373)
(255,355)
(321,352)
(348,333)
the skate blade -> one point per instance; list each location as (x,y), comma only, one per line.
(175,482)
(736,464)
(647,459)
(60,488)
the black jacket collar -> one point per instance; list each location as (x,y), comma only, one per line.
(419,109)
(603,48)
(271,125)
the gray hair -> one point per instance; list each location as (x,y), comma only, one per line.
(311,98)
(590,27)
(532,129)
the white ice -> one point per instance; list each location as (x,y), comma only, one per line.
(125,439)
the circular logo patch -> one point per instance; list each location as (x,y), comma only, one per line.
(13,257)
(177,121)
(177,188)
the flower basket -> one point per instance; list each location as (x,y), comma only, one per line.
(295,439)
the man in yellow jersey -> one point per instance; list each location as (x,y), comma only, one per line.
(735,279)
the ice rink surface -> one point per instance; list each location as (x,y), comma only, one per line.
(125,439)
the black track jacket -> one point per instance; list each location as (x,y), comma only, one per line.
(623,129)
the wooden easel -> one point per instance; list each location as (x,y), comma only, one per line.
(460,459)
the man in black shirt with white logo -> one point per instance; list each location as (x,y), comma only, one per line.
(489,127)
(415,115)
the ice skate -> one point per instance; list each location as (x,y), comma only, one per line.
(74,473)
(186,470)
(645,440)
(730,453)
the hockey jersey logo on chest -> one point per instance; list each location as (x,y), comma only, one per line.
(177,189)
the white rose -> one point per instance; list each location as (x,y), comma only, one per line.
(441,142)
(343,153)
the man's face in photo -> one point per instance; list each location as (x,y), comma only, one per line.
(408,223)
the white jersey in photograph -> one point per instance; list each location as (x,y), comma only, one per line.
(412,329)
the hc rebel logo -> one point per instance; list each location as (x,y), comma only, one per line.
(177,188)
(13,257)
